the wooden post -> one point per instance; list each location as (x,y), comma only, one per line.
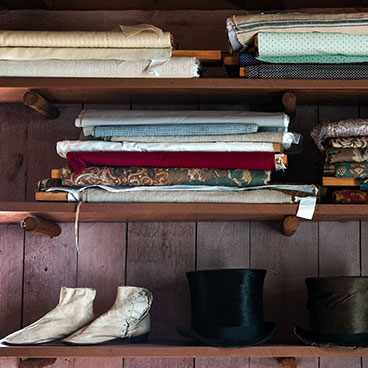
(290,225)
(289,103)
(40,226)
(36,362)
(287,362)
(38,103)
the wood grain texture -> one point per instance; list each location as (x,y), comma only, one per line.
(273,363)
(158,256)
(339,248)
(49,265)
(101,263)
(158,363)
(41,143)
(222,245)
(288,261)
(9,362)
(11,270)
(13,135)
(221,362)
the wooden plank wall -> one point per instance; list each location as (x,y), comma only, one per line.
(157,255)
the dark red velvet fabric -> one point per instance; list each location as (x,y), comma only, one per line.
(78,161)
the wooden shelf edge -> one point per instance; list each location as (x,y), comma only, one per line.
(171,351)
(13,212)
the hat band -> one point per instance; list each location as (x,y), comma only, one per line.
(229,333)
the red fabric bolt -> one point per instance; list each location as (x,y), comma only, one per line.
(78,161)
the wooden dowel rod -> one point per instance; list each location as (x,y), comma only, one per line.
(41,226)
(38,103)
(289,103)
(36,362)
(290,225)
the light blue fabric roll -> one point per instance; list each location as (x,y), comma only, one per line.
(174,129)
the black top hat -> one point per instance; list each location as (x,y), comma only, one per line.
(338,312)
(227,308)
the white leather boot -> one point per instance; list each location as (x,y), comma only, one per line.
(128,317)
(75,309)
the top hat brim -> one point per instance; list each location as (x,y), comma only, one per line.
(343,340)
(269,329)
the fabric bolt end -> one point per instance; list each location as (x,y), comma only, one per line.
(159,176)
(352,196)
(78,161)
(335,155)
(242,28)
(176,67)
(307,71)
(343,128)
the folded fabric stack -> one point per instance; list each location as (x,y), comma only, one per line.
(346,146)
(140,51)
(301,45)
(177,156)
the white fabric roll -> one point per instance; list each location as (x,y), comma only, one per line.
(63,147)
(88,119)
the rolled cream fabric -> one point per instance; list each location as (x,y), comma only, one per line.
(63,147)
(92,54)
(176,67)
(139,36)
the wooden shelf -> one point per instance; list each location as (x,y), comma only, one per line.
(197,90)
(12,212)
(165,351)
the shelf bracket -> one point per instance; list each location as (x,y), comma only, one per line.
(287,362)
(290,225)
(289,102)
(38,103)
(40,226)
(36,362)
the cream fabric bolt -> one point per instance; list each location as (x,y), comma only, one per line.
(138,36)
(75,309)
(128,317)
(176,67)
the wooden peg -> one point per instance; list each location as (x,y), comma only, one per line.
(40,226)
(287,362)
(38,103)
(36,362)
(289,103)
(290,225)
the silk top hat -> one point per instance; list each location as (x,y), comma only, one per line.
(338,312)
(227,308)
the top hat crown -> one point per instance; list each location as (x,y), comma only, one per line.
(338,311)
(227,307)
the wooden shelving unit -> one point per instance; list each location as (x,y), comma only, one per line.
(197,90)
(177,351)
(11,212)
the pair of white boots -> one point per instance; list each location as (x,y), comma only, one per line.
(73,319)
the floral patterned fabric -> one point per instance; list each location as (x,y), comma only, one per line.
(343,128)
(334,155)
(350,142)
(149,176)
(347,170)
(350,196)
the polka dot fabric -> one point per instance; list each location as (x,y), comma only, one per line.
(312,47)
